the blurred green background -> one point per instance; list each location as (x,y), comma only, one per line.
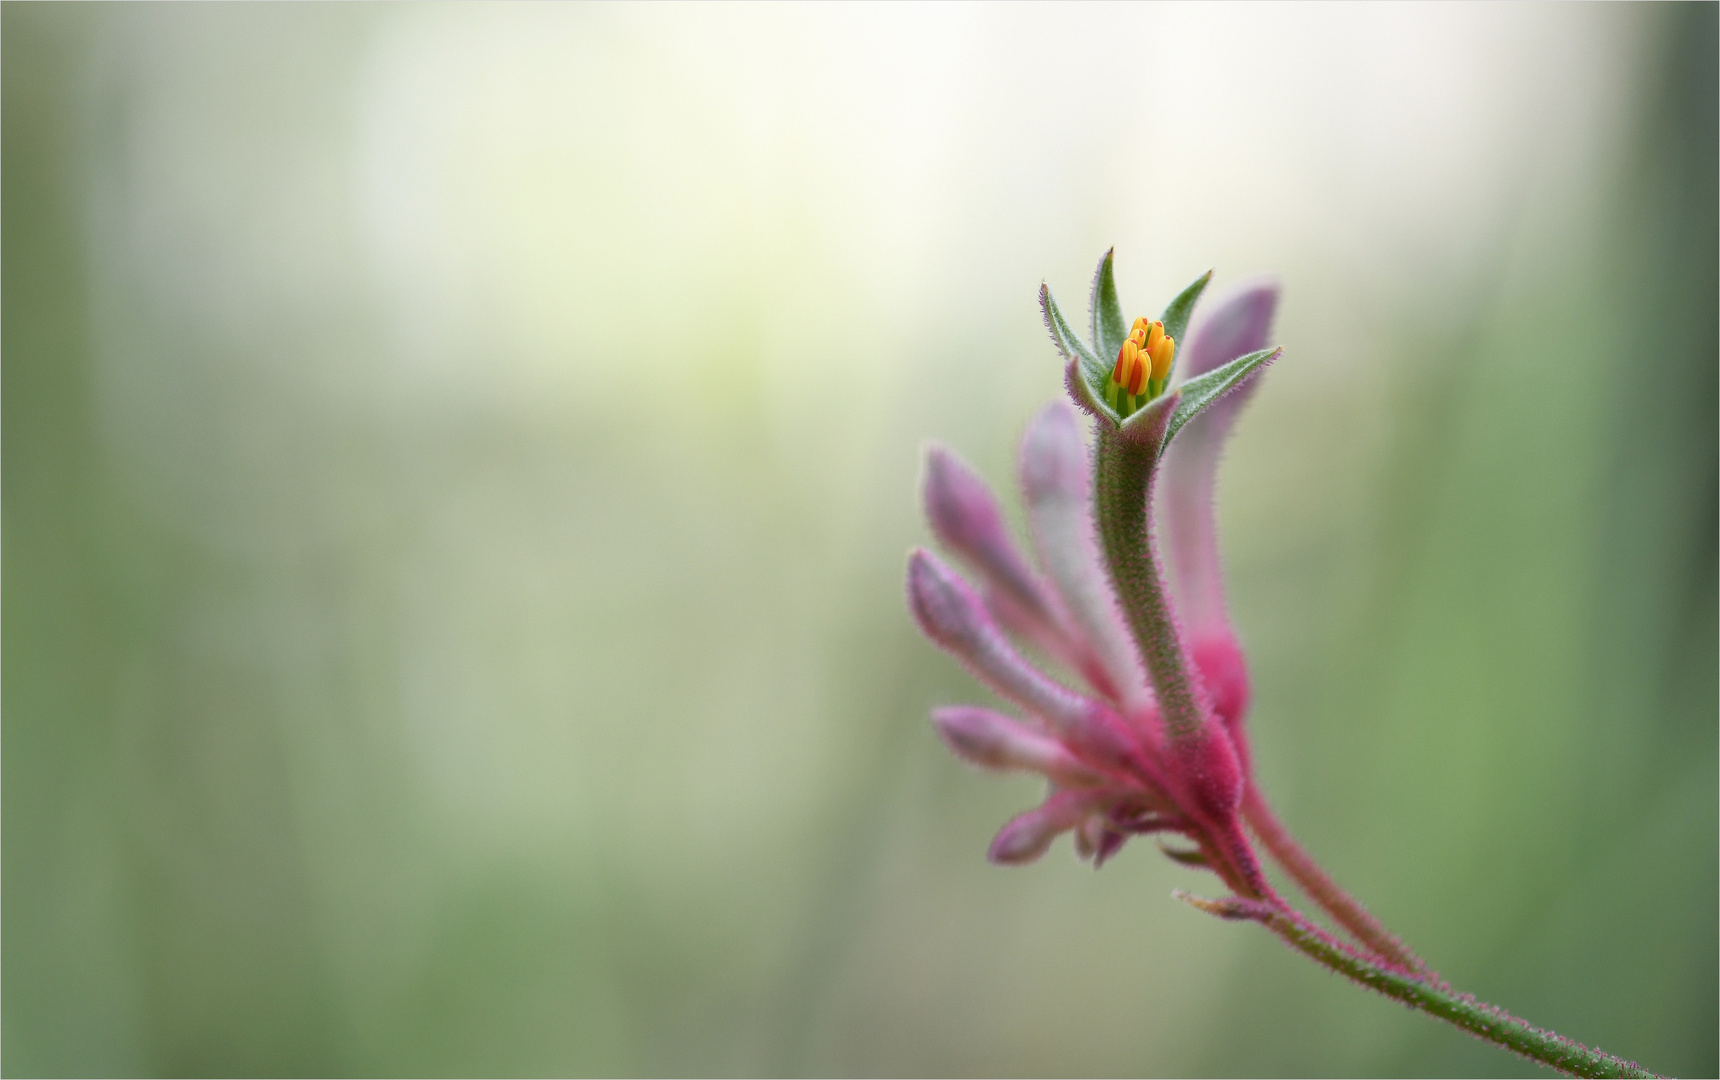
(458,463)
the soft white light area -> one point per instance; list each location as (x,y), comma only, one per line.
(756,251)
(576,199)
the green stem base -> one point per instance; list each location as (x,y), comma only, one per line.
(1484,1021)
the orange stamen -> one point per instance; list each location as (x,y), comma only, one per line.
(1162,354)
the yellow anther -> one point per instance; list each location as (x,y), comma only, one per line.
(1163,353)
(1132,366)
(1143,364)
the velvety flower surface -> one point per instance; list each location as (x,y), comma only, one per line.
(1099,736)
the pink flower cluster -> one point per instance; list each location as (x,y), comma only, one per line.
(1114,770)
(1140,728)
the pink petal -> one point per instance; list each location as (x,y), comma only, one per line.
(965,516)
(952,615)
(1057,482)
(1238,324)
(1110,842)
(1026,836)
(1224,671)
(994,741)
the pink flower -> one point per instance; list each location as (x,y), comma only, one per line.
(1142,730)
(1145,733)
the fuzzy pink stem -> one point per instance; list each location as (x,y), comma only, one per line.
(1344,908)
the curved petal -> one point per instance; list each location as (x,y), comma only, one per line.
(952,615)
(1109,843)
(1026,836)
(1237,325)
(994,741)
(966,519)
(1057,483)
(965,516)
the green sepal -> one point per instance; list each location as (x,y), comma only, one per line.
(1203,390)
(1177,313)
(1082,391)
(1109,330)
(1063,335)
(1093,370)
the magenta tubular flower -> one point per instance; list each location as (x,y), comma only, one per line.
(1140,745)
(1139,726)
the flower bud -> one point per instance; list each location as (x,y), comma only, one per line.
(1026,836)
(993,741)
(966,518)
(951,615)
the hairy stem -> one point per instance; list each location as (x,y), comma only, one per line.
(1122,494)
(1340,905)
(1484,1021)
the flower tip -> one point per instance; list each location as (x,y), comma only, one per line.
(958,504)
(1020,842)
(991,740)
(1053,455)
(1027,836)
(967,733)
(1110,842)
(935,594)
(987,739)
(946,607)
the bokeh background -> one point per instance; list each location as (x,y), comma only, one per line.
(458,463)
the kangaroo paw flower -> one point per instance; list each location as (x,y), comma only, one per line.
(1145,748)
(1156,742)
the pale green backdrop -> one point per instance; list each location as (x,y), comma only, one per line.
(458,464)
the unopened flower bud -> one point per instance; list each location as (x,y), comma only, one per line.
(952,615)
(993,741)
(1026,836)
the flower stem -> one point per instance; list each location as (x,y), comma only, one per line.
(1488,1022)
(1344,908)
(1122,503)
